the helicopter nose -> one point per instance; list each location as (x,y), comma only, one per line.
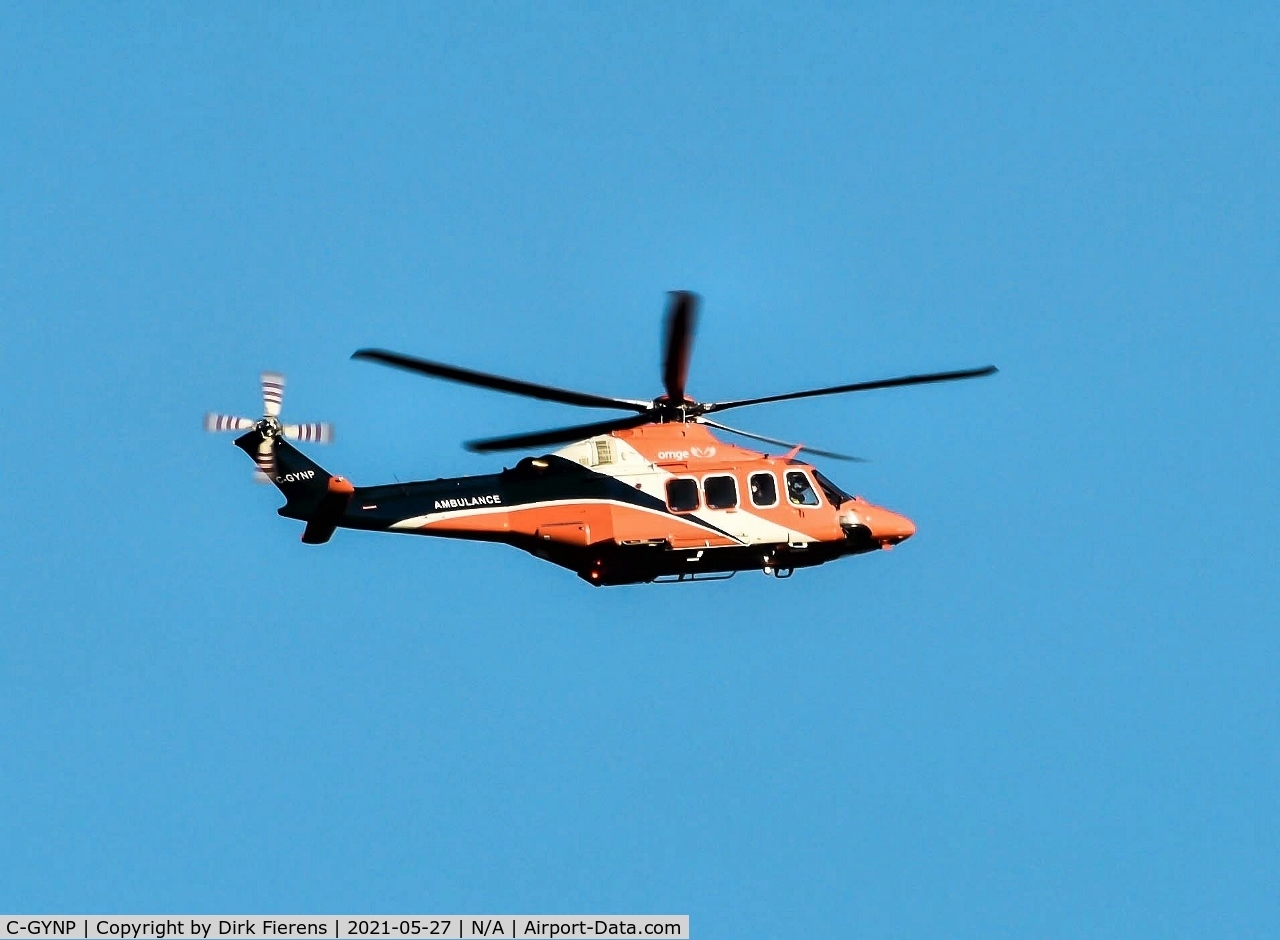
(888,528)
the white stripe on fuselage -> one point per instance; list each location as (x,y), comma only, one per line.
(419,522)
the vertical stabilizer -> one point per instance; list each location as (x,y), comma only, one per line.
(311,492)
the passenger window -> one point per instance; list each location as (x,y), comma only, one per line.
(799,490)
(764,490)
(682,495)
(721,492)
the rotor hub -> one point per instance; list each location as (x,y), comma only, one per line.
(664,409)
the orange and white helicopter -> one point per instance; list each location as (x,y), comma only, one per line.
(647,496)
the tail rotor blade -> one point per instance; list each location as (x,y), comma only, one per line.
(682,320)
(272,393)
(318,432)
(217,422)
(266,457)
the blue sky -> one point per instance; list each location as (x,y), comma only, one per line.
(1052,713)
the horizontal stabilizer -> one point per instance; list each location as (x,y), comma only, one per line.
(323,522)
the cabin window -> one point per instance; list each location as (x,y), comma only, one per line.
(721,492)
(682,495)
(800,490)
(764,489)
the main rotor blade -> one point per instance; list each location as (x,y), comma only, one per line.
(770,440)
(555,435)
(856,387)
(682,320)
(497,382)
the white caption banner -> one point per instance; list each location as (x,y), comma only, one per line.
(338,926)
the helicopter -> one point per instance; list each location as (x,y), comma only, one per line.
(650,495)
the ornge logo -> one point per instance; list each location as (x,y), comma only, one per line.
(702,453)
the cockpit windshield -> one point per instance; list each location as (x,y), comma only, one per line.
(834,494)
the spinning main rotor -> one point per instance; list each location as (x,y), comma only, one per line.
(675,405)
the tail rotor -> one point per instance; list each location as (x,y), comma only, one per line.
(269,427)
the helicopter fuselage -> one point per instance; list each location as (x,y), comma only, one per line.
(661,501)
